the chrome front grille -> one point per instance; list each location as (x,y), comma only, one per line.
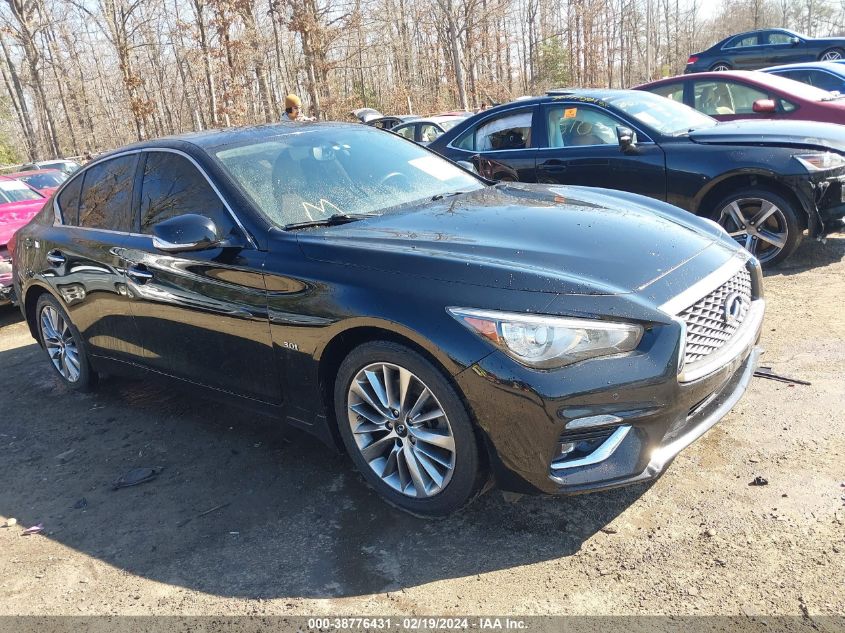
(710,322)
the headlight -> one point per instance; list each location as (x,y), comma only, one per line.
(820,161)
(547,341)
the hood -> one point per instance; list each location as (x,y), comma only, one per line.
(14,215)
(526,237)
(781,133)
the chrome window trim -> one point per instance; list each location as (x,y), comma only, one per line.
(140,150)
(708,284)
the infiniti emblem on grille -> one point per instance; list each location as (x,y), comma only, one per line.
(734,307)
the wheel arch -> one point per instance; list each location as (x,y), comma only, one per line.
(343,342)
(728,183)
(30,302)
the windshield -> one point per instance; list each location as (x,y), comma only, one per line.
(313,174)
(661,114)
(40,181)
(14,191)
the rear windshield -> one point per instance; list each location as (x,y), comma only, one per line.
(312,174)
(14,191)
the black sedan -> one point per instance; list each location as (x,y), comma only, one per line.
(767,47)
(765,182)
(441,329)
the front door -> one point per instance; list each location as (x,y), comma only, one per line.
(202,314)
(581,147)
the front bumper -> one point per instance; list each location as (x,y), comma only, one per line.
(822,195)
(526,415)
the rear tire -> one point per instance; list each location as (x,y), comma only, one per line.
(832,54)
(63,345)
(763,222)
(421,462)
(720,67)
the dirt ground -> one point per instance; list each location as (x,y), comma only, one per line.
(292,529)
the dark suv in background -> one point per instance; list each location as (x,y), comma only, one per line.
(765,182)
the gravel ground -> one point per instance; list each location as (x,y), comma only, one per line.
(247,518)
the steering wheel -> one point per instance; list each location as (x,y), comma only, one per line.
(398,176)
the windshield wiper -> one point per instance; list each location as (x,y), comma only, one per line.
(440,196)
(332,220)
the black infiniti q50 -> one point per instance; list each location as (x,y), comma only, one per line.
(443,330)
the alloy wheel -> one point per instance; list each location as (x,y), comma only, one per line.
(831,56)
(60,343)
(401,430)
(757,224)
(720,68)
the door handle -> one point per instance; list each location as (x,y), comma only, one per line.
(56,258)
(139,274)
(553,165)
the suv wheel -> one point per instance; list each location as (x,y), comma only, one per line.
(763,222)
(406,429)
(63,344)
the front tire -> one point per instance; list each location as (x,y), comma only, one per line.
(63,344)
(832,54)
(406,429)
(763,222)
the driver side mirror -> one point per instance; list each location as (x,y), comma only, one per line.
(627,139)
(763,106)
(794,41)
(188,232)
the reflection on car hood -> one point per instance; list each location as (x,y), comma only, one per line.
(526,237)
(14,215)
(782,133)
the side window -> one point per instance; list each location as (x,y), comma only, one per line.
(407,132)
(825,81)
(673,91)
(787,106)
(69,201)
(466,141)
(725,97)
(742,41)
(572,125)
(428,132)
(780,38)
(106,199)
(172,186)
(508,131)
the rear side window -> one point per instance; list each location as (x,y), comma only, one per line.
(172,186)
(69,201)
(406,131)
(106,200)
(509,131)
(673,91)
(742,41)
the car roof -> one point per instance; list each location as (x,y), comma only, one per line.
(836,67)
(210,139)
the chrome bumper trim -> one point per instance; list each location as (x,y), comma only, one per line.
(603,452)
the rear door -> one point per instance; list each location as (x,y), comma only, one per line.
(202,314)
(745,52)
(81,258)
(580,147)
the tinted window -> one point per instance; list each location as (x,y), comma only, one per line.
(69,201)
(825,81)
(40,181)
(673,91)
(173,186)
(106,197)
(742,41)
(508,131)
(780,38)
(572,125)
(726,97)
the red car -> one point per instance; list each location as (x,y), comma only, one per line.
(18,204)
(743,94)
(45,181)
